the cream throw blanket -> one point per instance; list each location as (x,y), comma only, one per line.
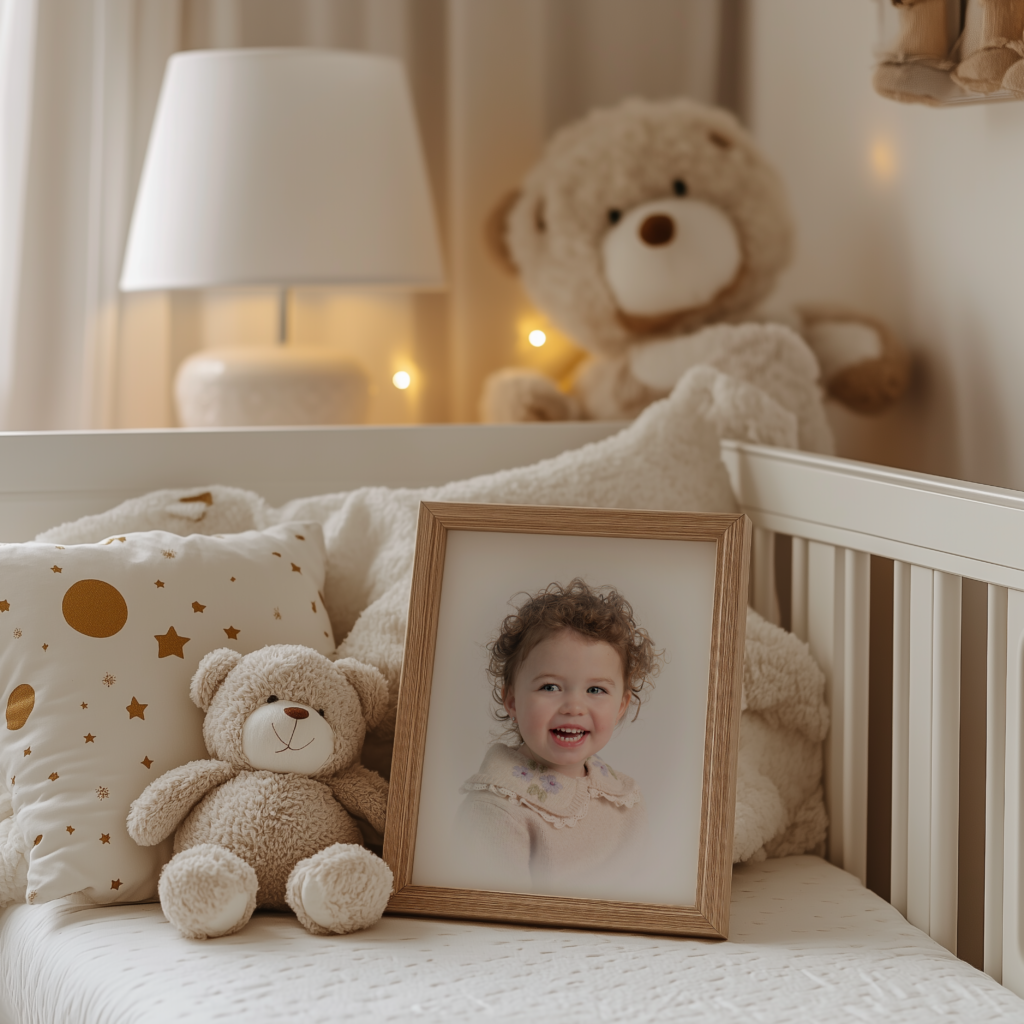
(667,459)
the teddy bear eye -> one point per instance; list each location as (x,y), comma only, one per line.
(321,712)
(271,699)
(614,216)
(679,187)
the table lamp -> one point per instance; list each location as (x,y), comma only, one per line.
(281,167)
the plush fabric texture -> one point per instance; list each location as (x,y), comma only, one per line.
(98,641)
(668,458)
(229,816)
(771,357)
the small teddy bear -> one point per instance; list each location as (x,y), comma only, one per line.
(268,821)
(643,227)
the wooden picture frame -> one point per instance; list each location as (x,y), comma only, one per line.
(460,535)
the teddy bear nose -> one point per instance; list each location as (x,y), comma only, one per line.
(657,229)
(296,712)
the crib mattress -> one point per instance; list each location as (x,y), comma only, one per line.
(807,942)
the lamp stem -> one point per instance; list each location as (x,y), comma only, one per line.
(282,317)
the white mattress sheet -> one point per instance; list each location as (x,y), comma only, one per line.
(807,943)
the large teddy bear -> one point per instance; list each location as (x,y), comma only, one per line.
(268,821)
(648,231)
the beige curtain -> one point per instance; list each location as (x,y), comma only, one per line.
(491,80)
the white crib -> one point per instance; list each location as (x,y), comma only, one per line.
(939,534)
(905,812)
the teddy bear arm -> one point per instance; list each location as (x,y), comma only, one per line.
(362,793)
(165,802)
(523,396)
(863,366)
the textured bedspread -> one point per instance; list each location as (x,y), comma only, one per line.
(808,943)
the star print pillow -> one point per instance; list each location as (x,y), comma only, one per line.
(98,644)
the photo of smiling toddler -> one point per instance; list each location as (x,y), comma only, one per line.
(544,812)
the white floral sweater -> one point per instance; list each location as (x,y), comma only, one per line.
(526,828)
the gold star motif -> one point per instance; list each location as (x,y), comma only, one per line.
(84,705)
(38,840)
(109,680)
(277,613)
(70,831)
(232,632)
(53,776)
(295,568)
(299,536)
(146,761)
(102,792)
(56,568)
(89,738)
(136,710)
(26,751)
(17,633)
(232,579)
(197,607)
(5,606)
(159,584)
(169,554)
(46,646)
(276,554)
(171,644)
(105,838)
(115,883)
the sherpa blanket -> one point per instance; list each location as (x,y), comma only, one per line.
(666,459)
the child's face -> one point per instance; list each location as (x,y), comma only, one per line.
(567,697)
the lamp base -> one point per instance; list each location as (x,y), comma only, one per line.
(270,387)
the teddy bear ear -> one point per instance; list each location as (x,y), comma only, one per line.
(494,231)
(212,671)
(370,686)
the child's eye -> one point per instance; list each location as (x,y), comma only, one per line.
(596,689)
(549,687)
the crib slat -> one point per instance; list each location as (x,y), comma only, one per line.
(900,733)
(822,577)
(919,750)
(995,757)
(855,638)
(798,589)
(763,570)
(945,817)
(1013,956)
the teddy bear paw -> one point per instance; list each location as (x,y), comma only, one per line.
(339,890)
(522,396)
(207,891)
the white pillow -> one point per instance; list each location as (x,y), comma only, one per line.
(98,643)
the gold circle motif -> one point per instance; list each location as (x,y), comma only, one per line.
(19,705)
(95,608)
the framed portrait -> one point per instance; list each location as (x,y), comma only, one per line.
(568,717)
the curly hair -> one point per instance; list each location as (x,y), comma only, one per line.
(596,613)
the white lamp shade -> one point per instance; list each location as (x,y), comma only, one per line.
(283,167)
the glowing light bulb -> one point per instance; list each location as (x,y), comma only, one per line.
(882,156)
(537,338)
(401,380)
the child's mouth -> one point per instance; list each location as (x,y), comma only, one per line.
(569,735)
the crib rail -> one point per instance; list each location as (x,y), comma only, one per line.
(937,533)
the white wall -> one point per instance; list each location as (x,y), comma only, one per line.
(911,213)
